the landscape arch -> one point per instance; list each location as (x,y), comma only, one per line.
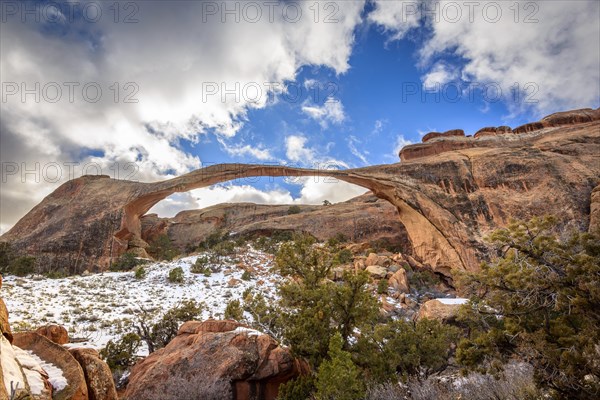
(431,243)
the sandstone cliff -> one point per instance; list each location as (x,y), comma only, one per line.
(449,193)
(362,219)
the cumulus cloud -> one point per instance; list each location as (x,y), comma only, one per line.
(174,74)
(296,150)
(546,51)
(332,111)
(399,144)
(439,75)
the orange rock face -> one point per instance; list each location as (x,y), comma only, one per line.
(449,193)
(248,365)
(55,333)
(98,377)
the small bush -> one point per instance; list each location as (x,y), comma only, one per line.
(176,275)
(201,266)
(294,210)
(382,286)
(22,266)
(234,310)
(343,256)
(162,248)
(121,355)
(246,276)
(126,262)
(140,273)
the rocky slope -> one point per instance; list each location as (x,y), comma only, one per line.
(449,193)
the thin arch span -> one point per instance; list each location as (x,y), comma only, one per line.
(428,237)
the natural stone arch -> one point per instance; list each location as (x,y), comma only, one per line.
(428,237)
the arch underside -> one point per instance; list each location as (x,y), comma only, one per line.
(431,243)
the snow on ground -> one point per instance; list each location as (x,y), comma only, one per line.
(101,307)
(452,301)
(55,374)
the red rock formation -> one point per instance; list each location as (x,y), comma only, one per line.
(248,365)
(365,218)
(55,333)
(98,377)
(50,352)
(450,133)
(449,194)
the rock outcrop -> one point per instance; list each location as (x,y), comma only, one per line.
(449,194)
(98,378)
(444,310)
(52,353)
(55,333)
(248,365)
(364,218)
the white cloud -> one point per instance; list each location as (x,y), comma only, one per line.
(397,17)
(550,50)
(332,111)
(439,75)
(399,144)
(259,151)
(378,126)
(172,59)
(352,140)
(296,150)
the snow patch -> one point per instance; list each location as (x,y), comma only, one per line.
(32,370)
(10,367)
(55,374)
(452,301)
(247,331)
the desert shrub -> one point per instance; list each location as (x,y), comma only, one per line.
(162,248)
(213,239)
(294,210)
(300,388)
(382,286)
(201,266)
(120,355)
(176,275)
(234,310)
(344,256)
(158,335)
(338,378)
(140,273)
(246,276)
(544,286)
(126,262)
(22,266)
(224,248)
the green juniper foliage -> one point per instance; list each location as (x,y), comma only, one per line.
(539,301)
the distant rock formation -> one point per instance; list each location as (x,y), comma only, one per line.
(449,194)
(362,219)
(248,365)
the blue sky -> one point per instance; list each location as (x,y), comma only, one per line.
(387,72)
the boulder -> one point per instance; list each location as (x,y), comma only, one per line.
(51,353)
(4,325)
(444,310)
(55,333)
(98,378)
(399,281)
(222,360)
(376,259)
(21,375)
(376,271)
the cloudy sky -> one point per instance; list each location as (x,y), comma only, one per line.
(147,90)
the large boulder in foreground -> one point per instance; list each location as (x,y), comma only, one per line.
(214,360)
(64,371)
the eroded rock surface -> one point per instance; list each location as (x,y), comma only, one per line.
(449,194)
(248,365)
